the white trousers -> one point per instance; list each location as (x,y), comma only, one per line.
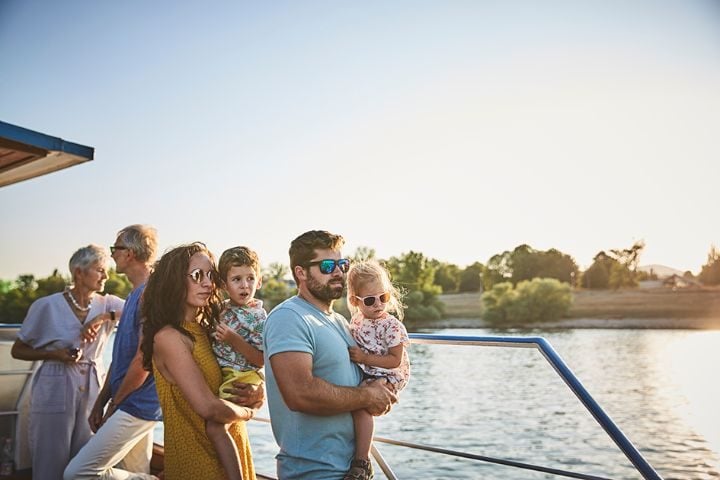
(124,441)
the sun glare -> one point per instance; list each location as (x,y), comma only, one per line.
(690,361)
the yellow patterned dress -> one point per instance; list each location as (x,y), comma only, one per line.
(188,452)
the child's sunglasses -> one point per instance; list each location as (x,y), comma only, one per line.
(369,301)
(328,265)
(197,275)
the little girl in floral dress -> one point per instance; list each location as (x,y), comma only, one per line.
(381,353)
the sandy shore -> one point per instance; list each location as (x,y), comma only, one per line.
(658,308)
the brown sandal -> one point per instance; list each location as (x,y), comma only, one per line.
(359,470)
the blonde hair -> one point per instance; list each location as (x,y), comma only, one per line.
(364,272)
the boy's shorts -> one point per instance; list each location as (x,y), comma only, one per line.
(230,375)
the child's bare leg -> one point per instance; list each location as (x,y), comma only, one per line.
(364,428)
(225,448)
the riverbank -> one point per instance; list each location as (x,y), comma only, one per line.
(621,323)
(636,308)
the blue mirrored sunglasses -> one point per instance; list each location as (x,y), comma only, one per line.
(328,265)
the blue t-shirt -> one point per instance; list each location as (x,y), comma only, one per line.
(311,446)
(142,403)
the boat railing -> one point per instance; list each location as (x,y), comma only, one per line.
(19,395)
(561,368)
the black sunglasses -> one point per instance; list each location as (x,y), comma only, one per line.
(197,275)
(369,301)
(113,248)
(328,265)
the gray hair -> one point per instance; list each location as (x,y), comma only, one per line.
(86,257)
(141,240)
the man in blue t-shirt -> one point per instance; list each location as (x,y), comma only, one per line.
(124,433)
(312,386)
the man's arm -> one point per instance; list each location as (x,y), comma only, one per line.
(96,418)
(133,379)
(308,394)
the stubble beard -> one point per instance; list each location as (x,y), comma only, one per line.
(325,293)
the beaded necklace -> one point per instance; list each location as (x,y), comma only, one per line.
(76,304)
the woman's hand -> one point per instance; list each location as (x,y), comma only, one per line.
(247,395)
(91,328)
(66,355)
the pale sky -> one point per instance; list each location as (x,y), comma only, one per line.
(459,129)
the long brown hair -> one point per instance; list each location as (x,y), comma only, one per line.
(165,294)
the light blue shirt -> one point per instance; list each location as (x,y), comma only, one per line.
(311,446)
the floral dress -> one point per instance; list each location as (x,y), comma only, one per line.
(376,337)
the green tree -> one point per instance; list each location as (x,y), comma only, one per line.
(531,301)
(495,302)
(526,263)
(497,270)
(447,276)
(471,278)
(617,269)
(710,273)
(52,284)
(277,270)
(15,302)
(415,275)
(363,253)
(5,286)
(597,276)
(275,287)
(273,292)
(623,273)
(118,284)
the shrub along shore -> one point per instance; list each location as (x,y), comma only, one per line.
(631,308)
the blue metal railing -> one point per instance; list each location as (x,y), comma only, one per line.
(539,343)
(623,443)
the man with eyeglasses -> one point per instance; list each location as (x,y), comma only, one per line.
(312,386)
(124,433)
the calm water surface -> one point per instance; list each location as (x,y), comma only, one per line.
(659,386)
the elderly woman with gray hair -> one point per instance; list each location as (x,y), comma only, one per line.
(68,331)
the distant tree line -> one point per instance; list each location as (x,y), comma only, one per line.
(511,282)
(16,297)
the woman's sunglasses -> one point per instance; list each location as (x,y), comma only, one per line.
(197,275)
(369,301)
(328,265)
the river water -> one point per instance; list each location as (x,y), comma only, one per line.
(659,386)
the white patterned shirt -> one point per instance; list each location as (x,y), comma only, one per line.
(249,322)
(376,337)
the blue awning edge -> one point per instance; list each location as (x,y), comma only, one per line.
(26,154)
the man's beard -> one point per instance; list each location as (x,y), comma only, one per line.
(327,292)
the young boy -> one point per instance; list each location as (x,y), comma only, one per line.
(238,341)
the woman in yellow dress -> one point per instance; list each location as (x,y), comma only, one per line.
(181,305)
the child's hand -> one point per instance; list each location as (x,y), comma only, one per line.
(356,354)
(223,333)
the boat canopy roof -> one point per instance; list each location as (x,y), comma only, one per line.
(26,154)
